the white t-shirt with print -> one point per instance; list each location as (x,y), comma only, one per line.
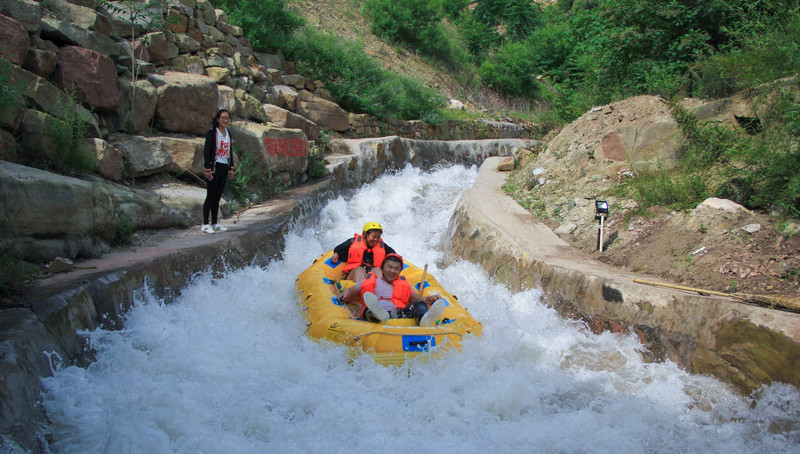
(223,147)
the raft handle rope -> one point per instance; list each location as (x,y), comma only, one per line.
(359,336)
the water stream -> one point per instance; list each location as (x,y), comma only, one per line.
(227,367)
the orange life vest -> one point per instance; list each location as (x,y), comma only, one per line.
(355,255)
(400,293)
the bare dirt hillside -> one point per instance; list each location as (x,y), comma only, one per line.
(716,246)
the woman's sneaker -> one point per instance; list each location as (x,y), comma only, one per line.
(371,301)
(219,228)
(433,314)
(207,228)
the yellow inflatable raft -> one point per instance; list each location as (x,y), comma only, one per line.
(389,343)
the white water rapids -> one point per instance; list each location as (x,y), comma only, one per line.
(227,367)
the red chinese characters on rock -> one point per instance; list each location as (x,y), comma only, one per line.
(286,147)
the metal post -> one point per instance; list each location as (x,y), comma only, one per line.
(600,235)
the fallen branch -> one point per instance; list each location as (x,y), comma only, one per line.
(774,302)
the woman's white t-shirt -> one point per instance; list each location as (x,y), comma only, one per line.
(223,147)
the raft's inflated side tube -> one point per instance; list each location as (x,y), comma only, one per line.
(389,343)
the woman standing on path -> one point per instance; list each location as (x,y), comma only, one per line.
(218,163)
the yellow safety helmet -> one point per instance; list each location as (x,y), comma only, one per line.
(372,226)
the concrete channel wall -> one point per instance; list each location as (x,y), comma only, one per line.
(43,331)
(741,344)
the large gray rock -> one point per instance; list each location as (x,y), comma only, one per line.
(324,113)
(8,146)
(36,138)
(81,16)
(205,12)
(282,118)
(90,76)
(46,97)
(648,137)
(137,105)
(14,40)
(178,19)
(186,102)
(70,217)
(157,47)
(251,108)
(143,155)
(26,12)
(64,33)
(188,199)
(110,163)
(284,96)
(186,43)
(276,150)
(186,153)
(270,61)
(41,62)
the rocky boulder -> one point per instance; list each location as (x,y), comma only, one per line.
(70,217)
(637,131)
(276,150)
(186,102)
(36,139)
(26,12)
(64,33)
(45,96)
(324,113)
(187,154)
(137,105)
(81,16)
(282,118)
(283,96)
(90,76)
(143,155)
(157,47)
(110,163)
(14,40)
(41,62)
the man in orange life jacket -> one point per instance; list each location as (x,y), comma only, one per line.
(364,252)
(391,296)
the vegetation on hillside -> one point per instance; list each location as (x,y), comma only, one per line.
(567,56)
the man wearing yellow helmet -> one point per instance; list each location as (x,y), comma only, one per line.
(364,252)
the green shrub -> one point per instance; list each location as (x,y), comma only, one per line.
(767,51)
(678,189)
(511,71)
(357,82)
(418,25)
(478,36)
(267,24)
(251,182)
(10,93)
(407,22)
(72,156)
(518,18)
(316,155)
(15,276)
(124,229)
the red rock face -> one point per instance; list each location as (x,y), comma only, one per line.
(14,40)
(90,76)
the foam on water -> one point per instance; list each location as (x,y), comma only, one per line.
(227,367)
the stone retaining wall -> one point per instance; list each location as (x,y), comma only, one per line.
(741,344)
(363,125)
